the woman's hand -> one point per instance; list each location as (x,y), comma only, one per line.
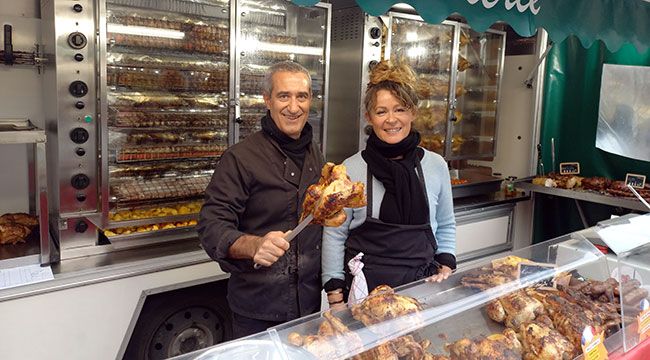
(335,299)
(442,274)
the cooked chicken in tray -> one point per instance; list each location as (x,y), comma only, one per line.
(16,227)
(333,192)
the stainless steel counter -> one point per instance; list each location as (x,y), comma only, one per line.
(584,195)
(487,200)
(111,266)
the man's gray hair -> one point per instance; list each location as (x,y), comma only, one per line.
(284,66)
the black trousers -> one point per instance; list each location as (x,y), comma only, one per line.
(244,326)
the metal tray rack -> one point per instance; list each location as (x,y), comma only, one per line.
(22,131)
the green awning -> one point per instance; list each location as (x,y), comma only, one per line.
(615,22)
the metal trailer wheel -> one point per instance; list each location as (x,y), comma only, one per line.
(180,322)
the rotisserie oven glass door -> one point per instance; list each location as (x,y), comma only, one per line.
(273,31)
(480,64)
(427,48)
(167,87)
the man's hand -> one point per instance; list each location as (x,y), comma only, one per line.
(442,274)
(270,248)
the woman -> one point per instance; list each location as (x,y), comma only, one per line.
(407,231)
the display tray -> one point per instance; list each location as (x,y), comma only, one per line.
(20,131)
(477,184)
(16,125)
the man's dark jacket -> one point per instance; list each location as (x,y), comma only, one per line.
(255,189)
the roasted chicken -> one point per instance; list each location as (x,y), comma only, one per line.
(19,218)
(503,346)
(334,339)
(383,304)
(514,309)
(16,227)
(13,233)
(568,318)
(333,192)
(542,342)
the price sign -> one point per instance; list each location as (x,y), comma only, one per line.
(540,273)
(593,344)
(643,320)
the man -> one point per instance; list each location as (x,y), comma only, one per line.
(254,196)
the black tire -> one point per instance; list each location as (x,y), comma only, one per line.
(181,321)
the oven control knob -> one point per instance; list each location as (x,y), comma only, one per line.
(80,151)
(77,40)
(81,197)
(81,226)
(78,88)
(79,135)
(375,32)
(80,181)
(77,8)
(79,57)
(79,105)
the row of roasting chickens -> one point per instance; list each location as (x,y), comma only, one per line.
(540,322)
(596,183)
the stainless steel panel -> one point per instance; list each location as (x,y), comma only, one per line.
(59,21)
(482,214)
(40,169)
(71,236)
(102,114)
(66,22)
(351,43)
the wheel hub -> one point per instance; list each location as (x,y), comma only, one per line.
(186,330)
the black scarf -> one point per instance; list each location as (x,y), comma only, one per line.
(294,148)
(404,201)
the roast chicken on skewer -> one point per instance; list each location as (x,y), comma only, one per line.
(333,192)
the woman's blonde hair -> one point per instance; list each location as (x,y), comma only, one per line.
(399,79)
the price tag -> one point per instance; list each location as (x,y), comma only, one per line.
(643,320)
(637,181)
(570,168)
(593,345)
(540,273)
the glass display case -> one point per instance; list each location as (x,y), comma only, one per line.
(531,303)
(459,72)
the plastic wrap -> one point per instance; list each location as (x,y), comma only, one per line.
(624,111)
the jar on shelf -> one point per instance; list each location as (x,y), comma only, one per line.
(509,188)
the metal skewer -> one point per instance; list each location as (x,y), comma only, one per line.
(638,196)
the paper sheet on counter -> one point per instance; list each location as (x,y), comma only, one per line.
(625,237)
(24,275)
